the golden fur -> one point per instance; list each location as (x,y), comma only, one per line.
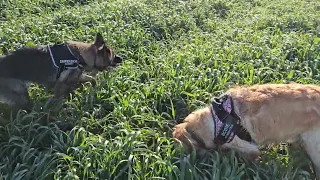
(271,113)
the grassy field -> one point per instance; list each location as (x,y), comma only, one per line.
(179,54)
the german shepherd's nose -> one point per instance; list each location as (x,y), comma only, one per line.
(118,59)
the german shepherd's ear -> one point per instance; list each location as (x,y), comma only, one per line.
(99,42)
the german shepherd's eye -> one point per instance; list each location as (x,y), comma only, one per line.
(104,51)
(108,50)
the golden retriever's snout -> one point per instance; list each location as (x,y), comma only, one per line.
(179,134)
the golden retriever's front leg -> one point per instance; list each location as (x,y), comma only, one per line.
(248,150)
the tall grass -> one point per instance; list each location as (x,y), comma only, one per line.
(179,54)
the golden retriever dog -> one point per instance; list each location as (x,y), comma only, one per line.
(246,117)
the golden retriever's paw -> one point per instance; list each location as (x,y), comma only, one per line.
(254,156)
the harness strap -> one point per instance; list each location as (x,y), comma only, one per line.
(66,59)
(230,122)
(52,59)
(77,57)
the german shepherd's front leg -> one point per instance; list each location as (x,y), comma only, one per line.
(63,85)
(82,79)
(66,81)
(86,78)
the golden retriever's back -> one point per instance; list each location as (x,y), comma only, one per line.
(278,108)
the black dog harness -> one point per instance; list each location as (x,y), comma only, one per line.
(226,121)
(63,58)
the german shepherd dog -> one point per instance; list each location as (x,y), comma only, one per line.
(59,67)
(245,117)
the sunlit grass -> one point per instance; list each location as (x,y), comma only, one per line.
(179,54)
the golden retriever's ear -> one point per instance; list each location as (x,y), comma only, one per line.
(192,117)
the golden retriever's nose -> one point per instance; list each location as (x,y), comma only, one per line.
(178,133)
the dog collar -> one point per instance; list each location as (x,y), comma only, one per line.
(226,121)
(63,58)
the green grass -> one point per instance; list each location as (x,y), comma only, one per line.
(179,54)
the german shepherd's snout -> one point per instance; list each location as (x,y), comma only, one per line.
(118,59)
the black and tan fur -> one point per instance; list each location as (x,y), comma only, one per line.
(34,65)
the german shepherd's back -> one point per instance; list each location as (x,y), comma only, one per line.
(28,64)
